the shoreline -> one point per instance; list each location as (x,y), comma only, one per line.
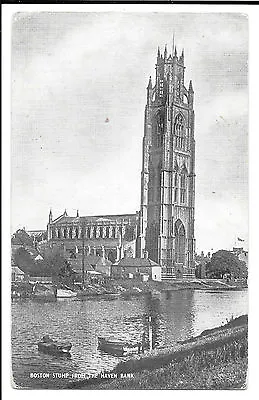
(223,347)
(129,287)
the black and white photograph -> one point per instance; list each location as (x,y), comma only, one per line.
(129,199)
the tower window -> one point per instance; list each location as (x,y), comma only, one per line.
(158,130)
(175,195)
(161,88)
(179,132)
(88,232)
(179,242)
(183,188)
(176,180)
(113,232)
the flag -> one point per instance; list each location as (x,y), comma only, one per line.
(240,240)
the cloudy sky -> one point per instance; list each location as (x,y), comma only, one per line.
(73,72)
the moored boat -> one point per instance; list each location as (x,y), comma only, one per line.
(65,293)
(51,346)
(118,347)
(43,292)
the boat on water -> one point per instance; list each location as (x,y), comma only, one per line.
(118,347)
(65,293)
(15,294)
(54,347)
(43,292)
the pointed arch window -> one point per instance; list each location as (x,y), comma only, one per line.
(179,242)
(183,185)
(113,232)
(180,132)
(182,188)
(158,130)
(176,180)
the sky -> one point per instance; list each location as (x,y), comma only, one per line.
(73,72)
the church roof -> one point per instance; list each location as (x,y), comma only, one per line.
(64,219)
(137,262)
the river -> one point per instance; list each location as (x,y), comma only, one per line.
(176,315)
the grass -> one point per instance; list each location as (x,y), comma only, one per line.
(227,375)
(216,359)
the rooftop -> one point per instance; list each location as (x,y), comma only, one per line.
(64,218)
(137,262)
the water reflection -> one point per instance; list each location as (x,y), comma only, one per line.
(174,316)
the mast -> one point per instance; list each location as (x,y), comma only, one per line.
(83,253)
(150,333)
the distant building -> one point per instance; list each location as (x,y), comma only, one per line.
(17,274)
(91,263)
(200,264)
(38,236)
(137,268)
(109,236)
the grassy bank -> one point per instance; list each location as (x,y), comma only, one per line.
(216,359)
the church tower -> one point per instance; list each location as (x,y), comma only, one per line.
(166,232)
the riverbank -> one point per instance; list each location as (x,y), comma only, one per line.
(216,359)
(132,287)
(136,286)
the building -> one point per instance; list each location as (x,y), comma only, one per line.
(168,170)
(163,230)
(91,263)
(17,274)
(200,264)
(109,236)
(137,268)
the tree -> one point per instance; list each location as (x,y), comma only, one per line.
(24,260)
(225,262)
(53,264)
(22,238)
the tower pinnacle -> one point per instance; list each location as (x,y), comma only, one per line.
(158,53)
(165,53)
(50,215)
